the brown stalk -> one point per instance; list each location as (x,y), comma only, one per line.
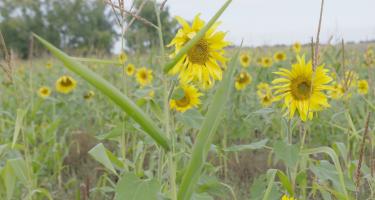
(163,4)
(316,54)
(137,13)
(134,15)
(7,68)
(361,153)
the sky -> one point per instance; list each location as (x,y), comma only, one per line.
(269,22)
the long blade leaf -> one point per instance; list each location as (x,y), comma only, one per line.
(113,93)
(205,134)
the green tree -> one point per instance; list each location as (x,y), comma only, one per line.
(143,37)
(82,25)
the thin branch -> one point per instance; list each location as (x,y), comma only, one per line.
(141,19)
(316,54)
(163,4)
(363,144)
(137,13)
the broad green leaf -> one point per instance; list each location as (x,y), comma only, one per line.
(196,38)
(130,187)
(191,118)
(112,92)
(208,128)
(19,168)
(285,182)
(201,196)
(336,162)
(9,179)
(256,145)
(271,173)
(100,154)
(289,154)
(17,129)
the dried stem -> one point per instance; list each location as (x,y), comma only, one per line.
(362,150)
(7,68)
(134,15)
(316,54)
(163,4)
(137,13)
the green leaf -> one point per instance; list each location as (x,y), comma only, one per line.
(196,38)
(256,145)
(19,168)
(101,154)
(17,129)
(191,118)
(113,93)
(208,128)
(289,154)
(9,179)
(201,196)
(98,61)
(336,162)
(130,187)
(285,182)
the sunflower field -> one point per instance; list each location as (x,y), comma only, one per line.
(193,118)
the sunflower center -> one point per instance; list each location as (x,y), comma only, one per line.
(243,78)
(66,82)
(280,56)
(245,59)
(183,102)
(44,91)
(144,76)
(301,89)
(198,54)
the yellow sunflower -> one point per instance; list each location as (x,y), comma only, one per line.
(266,100)
(337,92)
(88,95)
(189,100)
(263,89)
(130,69)
(369,57)
(245,60)
(302,89)
(362,87)
(201,63)
(122,57)
(44,92)
(242,80)
(65,84)
(296,47)
(267,62)
(49,65)
(144,76)
(279,56)
(285,197)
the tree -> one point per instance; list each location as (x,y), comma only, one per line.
(82,25)
(141,36)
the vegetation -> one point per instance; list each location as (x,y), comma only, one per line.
(180,116)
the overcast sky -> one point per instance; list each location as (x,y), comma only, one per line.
(261,22)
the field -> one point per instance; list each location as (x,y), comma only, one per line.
(197,119)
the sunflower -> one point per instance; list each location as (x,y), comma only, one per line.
(65,84)
(285,197)
(201,63)
(296,47)
(245,59)
(144,76)
(266,62)
(303,89)
(337,91)
(369,57)
(242,80)
(49,65)
(266,100)
(189,99)
(44,92)
(122,57)
(263,89)
(362,87)
(88,95)
(279,56)
(130,69)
